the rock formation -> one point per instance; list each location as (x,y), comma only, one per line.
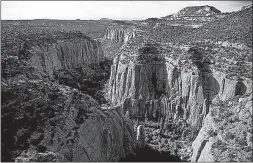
(197,11)
(61,103)
(224,135)
(65,55)
(45,121)
(61,120)
(151,87)
(115,37)
(119,34)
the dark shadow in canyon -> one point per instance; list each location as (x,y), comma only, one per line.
(88,79)
(240,88)
(148,154)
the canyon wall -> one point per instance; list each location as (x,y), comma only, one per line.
(154,88)
(66,55)
(63,121)
(46,121)
(119,34)
(115,37)
(226,134)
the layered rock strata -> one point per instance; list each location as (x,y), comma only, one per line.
(171,98)
(66,55)
(115,37)
(160,87)
(119,34)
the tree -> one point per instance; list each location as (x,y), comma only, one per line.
(240,68)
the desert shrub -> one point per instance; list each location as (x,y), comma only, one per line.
(148,50)
(211,133)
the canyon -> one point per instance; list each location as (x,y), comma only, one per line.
(117,97)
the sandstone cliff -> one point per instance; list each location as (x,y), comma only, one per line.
(164,92)
(189,88)
(67,55)
(119,34)
(115,37)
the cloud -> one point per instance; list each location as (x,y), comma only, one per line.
(104,9)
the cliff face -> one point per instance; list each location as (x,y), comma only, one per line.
(46,121)
(188,88)
(115,37)
(59,119)
(65,55)
(72,59)
(170,96)
(119,34)
(147,82)
(227,132)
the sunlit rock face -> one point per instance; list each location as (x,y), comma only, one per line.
(226,130)
(68,54)
(119,34)
(231,87)
(148,86)
(115,37)
(160,92)
(151,83)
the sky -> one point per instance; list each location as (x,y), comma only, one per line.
(119,10)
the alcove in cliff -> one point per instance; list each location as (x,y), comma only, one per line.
(240,88)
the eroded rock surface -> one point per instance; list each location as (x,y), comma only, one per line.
(48,117)
(226,133)
(163,93)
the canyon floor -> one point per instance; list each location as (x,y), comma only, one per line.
(171,89)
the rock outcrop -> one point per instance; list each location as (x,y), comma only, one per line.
(200,14)
(45,121)
(59,119)
(66,55)
(115,37)
(197,11)
(119,34)
(160,84)
(170,96)
(227,132)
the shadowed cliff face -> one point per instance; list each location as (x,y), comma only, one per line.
(148,154)
(49,117)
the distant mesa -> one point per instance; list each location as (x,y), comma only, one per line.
(106,19)
(198,11)
(192,11)
(247,6)
(152,20)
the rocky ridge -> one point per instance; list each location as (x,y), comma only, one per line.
(59,119)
